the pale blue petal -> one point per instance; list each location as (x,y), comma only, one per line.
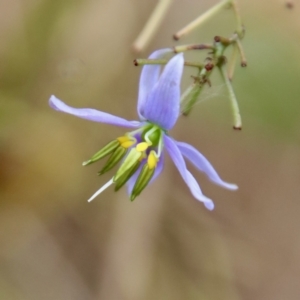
(149,76)
(132,180)
(162,105)
(189,179)
(91,114)
(201,163)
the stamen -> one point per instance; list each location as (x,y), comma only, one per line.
(133,156)
(132,133)
(128,144)
(104,187)
(152,160)
(142,146)
(124,138)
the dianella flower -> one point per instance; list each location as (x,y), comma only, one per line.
(139,153)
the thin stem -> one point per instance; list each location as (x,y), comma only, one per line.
(186,93)
(240,27)
(203,18)
(134,132)
(182,48)
(142,62)
(232,62)
(237,120)
(152,25)
(242,53)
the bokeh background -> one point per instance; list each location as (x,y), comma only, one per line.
(164,245)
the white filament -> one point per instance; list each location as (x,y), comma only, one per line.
(104,187)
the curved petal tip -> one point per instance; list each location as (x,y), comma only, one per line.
(53,101)
(232,186)
(209,205)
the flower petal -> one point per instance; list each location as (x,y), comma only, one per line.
(149,76)
(91,114)
(201,163)
(132,180)
(162,105)
(189,179)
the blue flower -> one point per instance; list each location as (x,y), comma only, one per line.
(141,152)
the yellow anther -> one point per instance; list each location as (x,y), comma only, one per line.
(126,141)
(142,146)
(152,160)
(127,144)
(124,138)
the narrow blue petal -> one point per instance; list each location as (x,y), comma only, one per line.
(201,163)
(162,105)
(91,114)
(189,179)
(149,77)
(132,180)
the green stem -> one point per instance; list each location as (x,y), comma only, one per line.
(242,53)
(240,27)
(232,62)
(182,48)
(237,120)
(142,62)
(201,19)
(152,25)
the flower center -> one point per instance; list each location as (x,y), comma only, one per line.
(152,135)
(138,151)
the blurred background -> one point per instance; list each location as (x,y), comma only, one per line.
(165,244)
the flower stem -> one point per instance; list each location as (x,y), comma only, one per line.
(232,62)
(182,48)
(152,25)
(237,120)
(201,19)
(240,27)
(242,53)
(142,62)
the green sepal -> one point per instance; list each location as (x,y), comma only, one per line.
(142,181)
(109,148)
(113,160)
(126,176)
(127,164)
